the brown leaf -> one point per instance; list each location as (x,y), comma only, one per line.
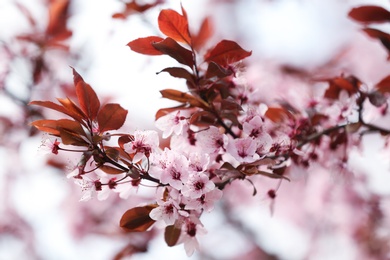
(171,48)
(111,117)
(171,235)
(89,102)
(370,14)
(137,219)
(226,52)
(144,45)
(174,25)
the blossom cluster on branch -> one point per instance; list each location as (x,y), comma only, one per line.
(220,132)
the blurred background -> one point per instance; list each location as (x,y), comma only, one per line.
(319,215)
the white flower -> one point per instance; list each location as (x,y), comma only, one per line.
(171,123)
(145,142)
(243,149)
(211,140)
(197,185)
(166,211)
(176,172)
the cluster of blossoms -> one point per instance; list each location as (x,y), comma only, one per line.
(220,133)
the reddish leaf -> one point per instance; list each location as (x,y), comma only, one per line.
(111,117)
(172,234)
(137,219)
(202,118)
(58,14)
(71,132)
(174,25)
(180,73)
(170,47)
(165,111)
(214,70)
(134,7)
(226,52)
(205,32)
(182,97)
(124,139)
(51,105)
(277,114)
(89,102)
(351,84)
(370,14)
(110,170)
(144,45)
(384,85)
(48,126)
(72,109)
(383,37)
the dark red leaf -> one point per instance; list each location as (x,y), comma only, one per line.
(383,37)
(144,45)
(170,47)
(180,73)
(174,25)
(226,52)
(351,84)
(182,97)
(133,7)
(172,234)
(111,117)
(72,109)
(204,34)
(71,132)
(58,15)
(384,85)
(137,219)
(89,102)
(51,105)
(165,111)
(124,139)
(214,70)
(110,170)
(277,114)
(370,14)
(48,126)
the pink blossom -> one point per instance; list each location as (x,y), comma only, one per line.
(144,143)
(176,172)
(204,202)
(253,128)
(199,161)
(211,140)
(192,228)
(49,145)
(243,149)
(197,185)
(166,211)
(171,123)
